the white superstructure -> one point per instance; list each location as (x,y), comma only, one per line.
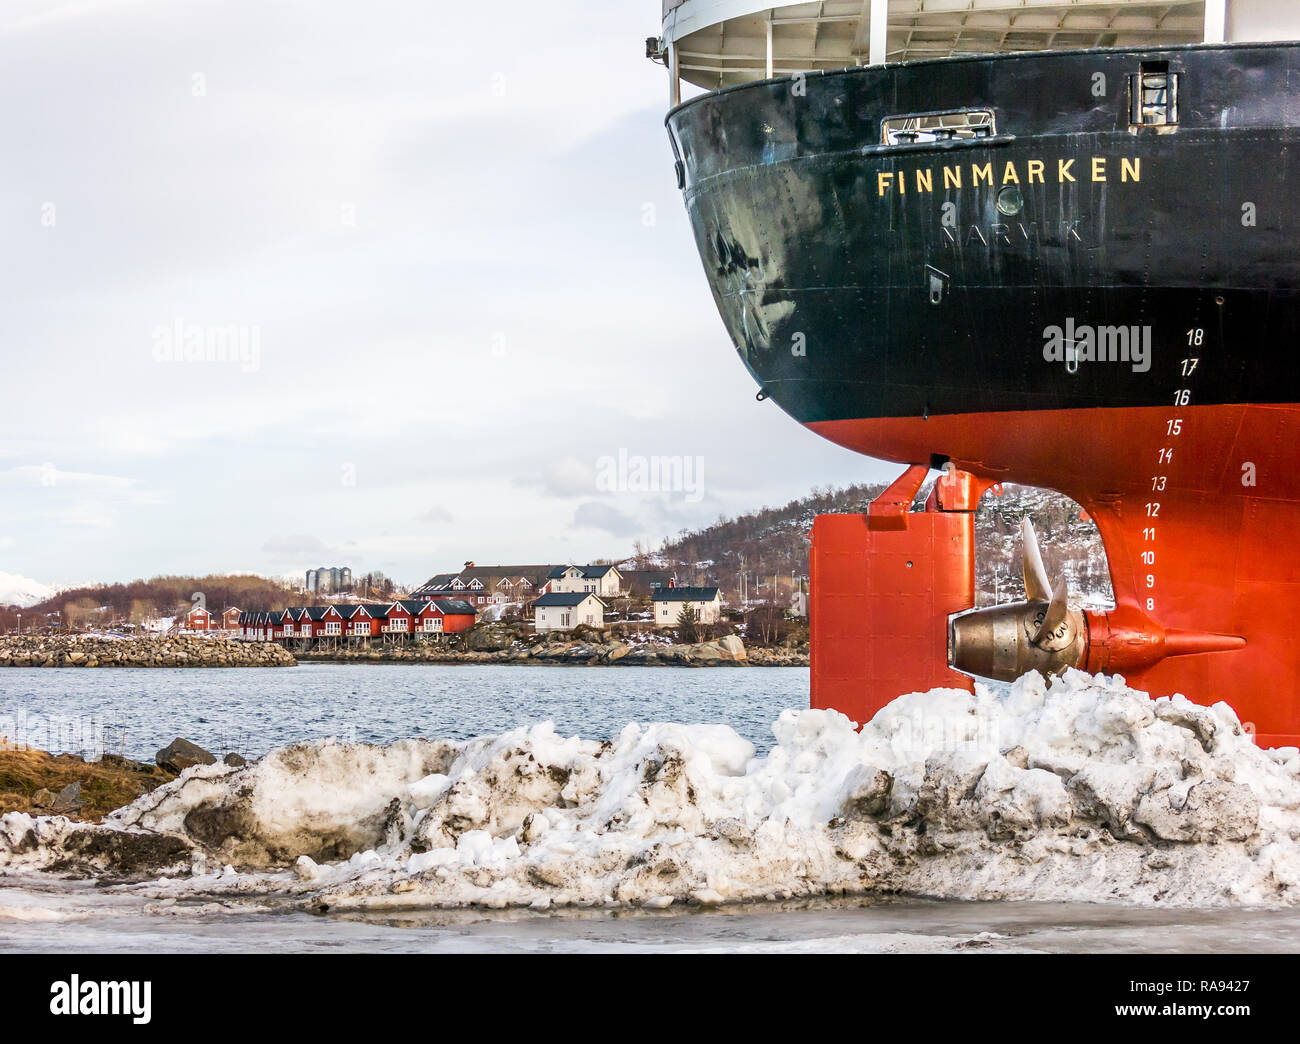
(720,43)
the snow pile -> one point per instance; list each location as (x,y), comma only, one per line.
(1084,790)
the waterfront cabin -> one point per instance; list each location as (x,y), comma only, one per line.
(427,619)
(564,610)
(275,625)
(356,621)
(324,622)
(363,621)
(457,614)
(402,615)
(440,615)
(668,602)
(378,618)
(198,619)
(293,618)
(230,619)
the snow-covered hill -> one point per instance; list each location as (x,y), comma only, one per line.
(23,591)
(773,542)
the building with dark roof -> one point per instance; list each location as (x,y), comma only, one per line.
(603,580)
(668,603)
(564,610)
(484,585)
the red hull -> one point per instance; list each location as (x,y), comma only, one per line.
(1199,510)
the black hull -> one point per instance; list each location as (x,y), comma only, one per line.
(855,284)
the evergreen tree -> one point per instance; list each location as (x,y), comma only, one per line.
(687,633)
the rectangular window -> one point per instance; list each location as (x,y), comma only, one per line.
(937,126)
(1153,96)
(332,627)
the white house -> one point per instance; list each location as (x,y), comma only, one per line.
(603,580)
(668,602)
(563,610)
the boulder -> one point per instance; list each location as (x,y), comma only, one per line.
(181,754)
(732,646)
(234,760)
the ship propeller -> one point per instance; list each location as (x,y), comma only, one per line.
(1052,626)
(1042,633)
(1037,587)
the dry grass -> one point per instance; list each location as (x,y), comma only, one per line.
(105,785)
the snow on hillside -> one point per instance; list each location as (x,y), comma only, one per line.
(22,591)
(775,541)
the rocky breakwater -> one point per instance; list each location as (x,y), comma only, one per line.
(593,651)
(167,651)
(722,652)
(778,656)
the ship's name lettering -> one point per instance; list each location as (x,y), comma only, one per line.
(990,174)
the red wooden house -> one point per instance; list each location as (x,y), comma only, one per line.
(325,621)
(401,616)
(455,614)
(363,621)
(198,619)
(429,616)
(378,615)
(297,619)
(426,618)
(230,620)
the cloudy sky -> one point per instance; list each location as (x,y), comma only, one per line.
(446,247)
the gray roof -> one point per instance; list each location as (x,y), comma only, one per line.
(589,572)
(567,598)
(441,580)
(684,594)
(488,575)
(454,606)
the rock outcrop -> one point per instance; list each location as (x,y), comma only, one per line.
(181,754)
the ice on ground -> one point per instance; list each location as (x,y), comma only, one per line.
(1083,789)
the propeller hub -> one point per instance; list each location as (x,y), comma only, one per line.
(999,643)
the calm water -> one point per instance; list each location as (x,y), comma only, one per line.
(253,710)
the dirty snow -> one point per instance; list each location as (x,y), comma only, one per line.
(1081,790)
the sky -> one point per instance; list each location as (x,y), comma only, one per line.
(439,266)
